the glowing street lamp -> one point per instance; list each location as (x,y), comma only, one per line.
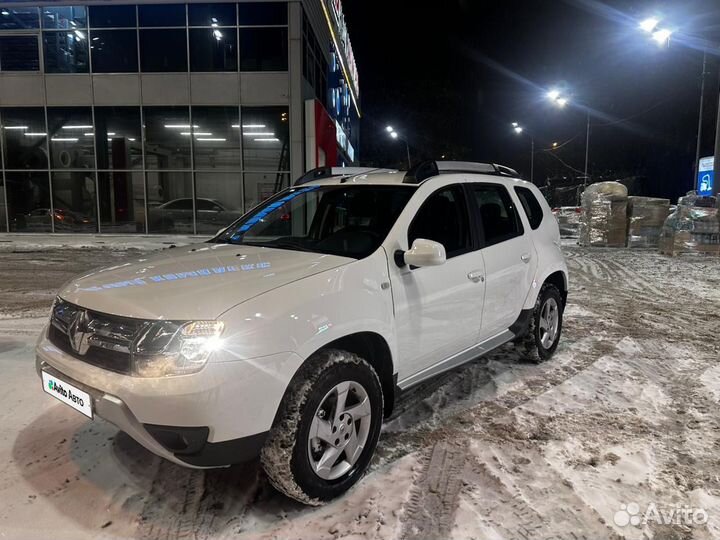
(557,97)
(649,24)
(662,36)
(389,129)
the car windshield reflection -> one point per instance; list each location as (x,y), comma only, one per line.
(349,221)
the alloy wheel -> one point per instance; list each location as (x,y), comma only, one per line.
(549,322)
(339,430)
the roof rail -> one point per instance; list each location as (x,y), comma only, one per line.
(321,173)
(427,169)
(314,174)
(421,171)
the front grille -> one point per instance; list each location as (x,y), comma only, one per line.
(105,340)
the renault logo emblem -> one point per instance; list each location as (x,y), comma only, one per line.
(79,332)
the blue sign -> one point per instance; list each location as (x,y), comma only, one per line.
(705,182)
(706,176)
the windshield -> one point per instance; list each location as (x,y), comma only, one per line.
(351,221)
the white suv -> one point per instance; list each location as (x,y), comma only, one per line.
(291,333)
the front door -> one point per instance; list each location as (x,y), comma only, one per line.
(438,309)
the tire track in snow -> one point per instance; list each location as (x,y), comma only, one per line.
(519,489)
(171,510)
(639,281)
(430,510)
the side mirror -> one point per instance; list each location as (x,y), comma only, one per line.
(425,253)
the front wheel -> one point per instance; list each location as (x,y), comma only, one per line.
(327,428)
(543,334)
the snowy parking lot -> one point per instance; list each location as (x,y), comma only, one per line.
(617,436)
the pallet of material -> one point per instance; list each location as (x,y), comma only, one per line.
(646,218)
(603,221)
(691,229)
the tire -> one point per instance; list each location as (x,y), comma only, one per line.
(290,455)
(535,345)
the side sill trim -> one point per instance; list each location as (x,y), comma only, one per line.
(458,359)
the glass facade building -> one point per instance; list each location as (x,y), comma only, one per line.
(157,118)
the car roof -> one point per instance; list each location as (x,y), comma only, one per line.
(190,199)
(463,171)
(378,177)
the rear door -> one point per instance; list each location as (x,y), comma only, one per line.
(509,256)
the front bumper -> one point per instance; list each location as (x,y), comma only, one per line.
(213,418)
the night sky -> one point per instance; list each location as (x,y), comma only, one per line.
(453,78)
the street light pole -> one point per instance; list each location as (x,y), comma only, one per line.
(518,129)
(587,148)
(716,153)
(532,160)
(407,149)
(561,101)
(698,144)
(662,37)
(716,166)
(395,135)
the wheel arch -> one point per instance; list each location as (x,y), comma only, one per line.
(373,348)
(559,279)
(370,346)
(555,276)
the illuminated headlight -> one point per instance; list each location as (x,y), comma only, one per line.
(174,348)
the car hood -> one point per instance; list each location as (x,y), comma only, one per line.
(194,282)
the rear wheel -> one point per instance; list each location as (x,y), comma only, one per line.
(327,428)
(543,334)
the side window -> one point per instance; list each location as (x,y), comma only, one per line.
(205,204)
(499,217)
(530,204)
(180,204)
(443,217)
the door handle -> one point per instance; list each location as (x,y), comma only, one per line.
(476,276)
(525,257)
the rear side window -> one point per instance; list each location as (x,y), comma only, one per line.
(498,215)
(204,204)
(180,204)
(530,204)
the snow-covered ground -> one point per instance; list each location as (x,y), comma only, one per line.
(626,413)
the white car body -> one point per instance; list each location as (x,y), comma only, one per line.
(280,306)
